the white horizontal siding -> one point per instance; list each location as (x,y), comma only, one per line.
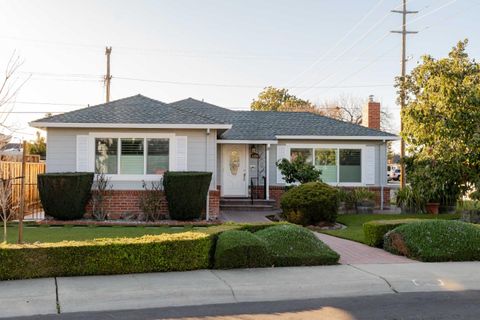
(62,154)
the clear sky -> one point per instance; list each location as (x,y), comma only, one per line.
(222,51)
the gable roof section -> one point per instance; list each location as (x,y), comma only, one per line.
(269,125)
(135,111)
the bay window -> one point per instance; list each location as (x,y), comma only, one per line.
(132,156)
(338,165)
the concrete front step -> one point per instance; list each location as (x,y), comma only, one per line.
(249,208)
(244,201)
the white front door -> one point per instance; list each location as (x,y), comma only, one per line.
(234,170)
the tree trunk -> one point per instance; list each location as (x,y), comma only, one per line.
(5,231)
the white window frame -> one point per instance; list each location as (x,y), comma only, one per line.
(172,151)
(337,148)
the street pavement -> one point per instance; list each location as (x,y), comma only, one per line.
(77,295)
(434,305)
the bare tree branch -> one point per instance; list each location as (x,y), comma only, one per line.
(9,88)
(349,108)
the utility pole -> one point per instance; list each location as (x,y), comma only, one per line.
(404,33)
(108,77)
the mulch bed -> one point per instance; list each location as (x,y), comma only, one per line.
(123,223)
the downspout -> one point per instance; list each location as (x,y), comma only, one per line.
(382,177)
(207,206)
(267,171)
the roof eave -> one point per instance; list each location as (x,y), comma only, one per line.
(376,138)
(43,125)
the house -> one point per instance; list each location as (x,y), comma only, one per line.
(137,138)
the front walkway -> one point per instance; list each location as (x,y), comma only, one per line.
(352,252)
(244,217)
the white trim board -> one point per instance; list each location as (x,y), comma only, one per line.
(129,125)
(377,138)
(247,141)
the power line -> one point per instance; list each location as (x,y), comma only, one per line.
(372,28)
(205,84)
(379,41)
(317,61)
(48,103)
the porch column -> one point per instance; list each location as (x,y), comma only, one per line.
(267,171)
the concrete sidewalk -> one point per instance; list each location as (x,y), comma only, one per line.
(204,287)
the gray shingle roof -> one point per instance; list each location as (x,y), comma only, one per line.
(246,125)
(136,109)
(266,125)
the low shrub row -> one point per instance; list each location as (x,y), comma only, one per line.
(375,230)
(165,252)
(241,249)
(435,241)
(279,246)
(238,246)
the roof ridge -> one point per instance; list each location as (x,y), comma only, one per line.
(176,106)
(97,106)
(168,105)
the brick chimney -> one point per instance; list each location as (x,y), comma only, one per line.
(371,114)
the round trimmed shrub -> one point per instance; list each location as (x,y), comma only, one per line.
(291,245)
(435,241)
(240,249)
(65,195)
(186,193)
(310,203)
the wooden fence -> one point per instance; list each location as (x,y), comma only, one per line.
(13,170)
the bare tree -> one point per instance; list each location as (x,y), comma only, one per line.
(349,108)
(9,88)
(10,85)
(7,211)
(102,187)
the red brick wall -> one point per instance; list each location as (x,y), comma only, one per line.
(214,204)
(276,193)
(120,203)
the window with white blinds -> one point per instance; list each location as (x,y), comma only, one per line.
(132,156)
(337,165)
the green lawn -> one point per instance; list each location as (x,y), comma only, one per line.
(73,233)
(354,223)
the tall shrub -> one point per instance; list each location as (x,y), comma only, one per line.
(310,203)
(65,195)
(186,193)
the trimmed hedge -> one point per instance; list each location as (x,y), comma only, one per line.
(310,203)
(374,231)
(165,252)
(241,249)
(435,241)
(186,193)
(65,195)
(291,245)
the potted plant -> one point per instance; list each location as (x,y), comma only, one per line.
(364,200)
(470,209)
(410,201)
